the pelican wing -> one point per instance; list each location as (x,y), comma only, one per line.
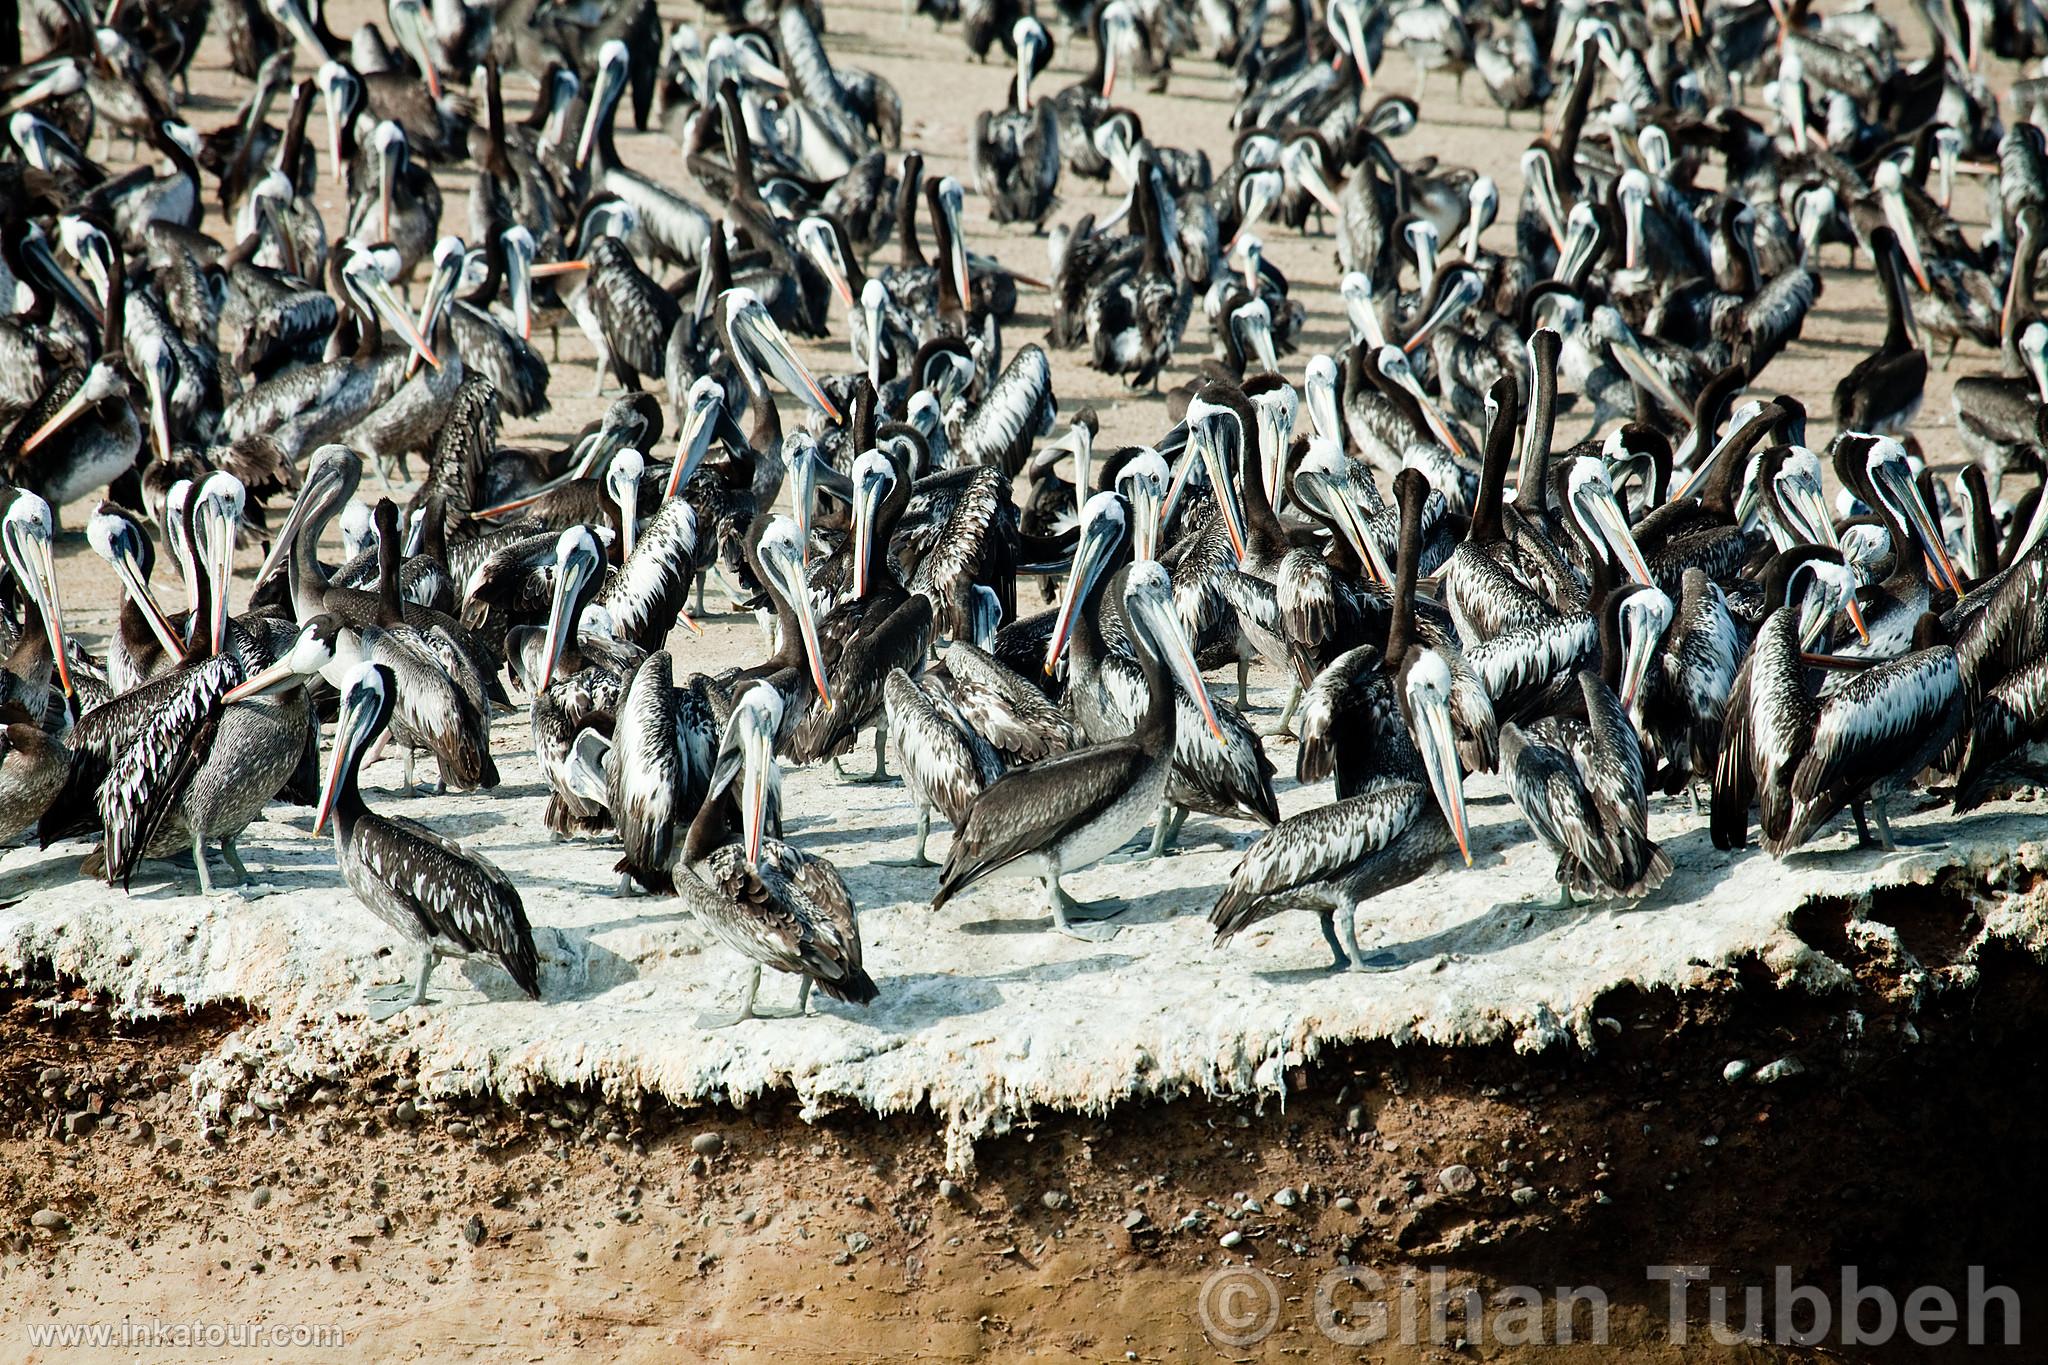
(456,895)
(1027,809)
(649,590)
(1006,710)
(150,772)
(1315,847)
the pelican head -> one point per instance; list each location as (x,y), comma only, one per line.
(367,694)
(116,537)
(1425,693)
(25,535)
(578,565)
(781,552)
(1105,520)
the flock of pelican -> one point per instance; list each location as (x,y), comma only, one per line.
(1689,599)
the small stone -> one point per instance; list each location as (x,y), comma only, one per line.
(1134,1220)
(1286,1196)
(1383,1205)
(51,1075)
(708,1144)
(80,1124)
(1523,1195)
(1457,1179)
(1054,1199)
(1784,1069)
(49,1220)
(841,1258)
(697,1166)
(382,1222)
(949,1191)
(259,1197)
(1346,1204)
(857,1242)
(405,1112)
(473,1230)
(1252,1206)
(1230,1239)
(143,1133)
(1735,1071)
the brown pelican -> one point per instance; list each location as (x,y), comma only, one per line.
(1400,807)
(144,641)
(34,760)
(766,900)
(442,901)
(1062,814)
(1015,152)
(185,758)
(1578,781)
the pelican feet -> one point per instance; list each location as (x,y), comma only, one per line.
(383,1002)
(1080,919)
(917,859)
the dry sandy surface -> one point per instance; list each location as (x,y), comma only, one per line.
(492,1179)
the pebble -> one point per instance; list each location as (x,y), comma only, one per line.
(80,1124)
(1735,1071)
(51,1075)
(1346,1204)
(708,1144)
(949,1191)
(1054,1199)
(1287,1197)
(841,1258)
(857,1242)
(1784,1069)
(696,1166)
(143,1133)
(49,1220)
(473,1230)
(259,1196)
(1458,1179)
(1524,1195)
(405,1112)
(1134,1220)
(1231,1238)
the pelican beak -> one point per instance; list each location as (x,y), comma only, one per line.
(1632,206)
(957,240)
(1606,512)
(1202,433)
(293,15)
(1355,30)
(1455,300)
(867,502)
(803,484)
(1628,353)
(330,103)
(1100,535)
(787,572)
(1542,182)
(571,572)
(1255,322)
(62,418)
(1855,611)
(519,284)
(392,309)
(30,543)
(547,270)
(128,568)
(388,172)
(774,350)
(1439,427)
(1894,476)
(1804,500)
(219,566)
(1260,189)
(1901,222)
(1638,650)
(153,375)
(1148,599)
(1440,759)
(269,680)
(351,732)
(692,442)
(871,305)
(757,775)
(1333,498)
(594,114)
(1311,177)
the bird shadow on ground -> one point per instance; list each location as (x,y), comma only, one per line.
(913,1001)
(52,870)
(574,966)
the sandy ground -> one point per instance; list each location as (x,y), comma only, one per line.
(985,1023)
